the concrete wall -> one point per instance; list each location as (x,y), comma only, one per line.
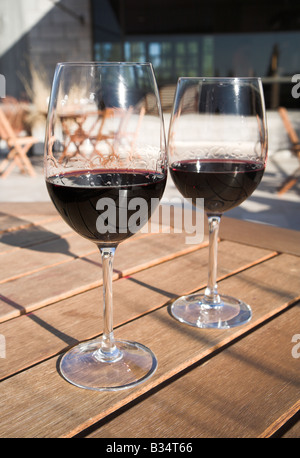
(35,35)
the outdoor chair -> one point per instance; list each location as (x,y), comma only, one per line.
(18,146)
(105,131)
(77,128)
(295,148)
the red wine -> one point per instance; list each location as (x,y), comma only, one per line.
(106,206)
(222,184)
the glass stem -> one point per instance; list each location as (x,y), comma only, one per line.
(108,352)
(211,295)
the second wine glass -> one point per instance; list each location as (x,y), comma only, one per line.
(105,169)
(217,156)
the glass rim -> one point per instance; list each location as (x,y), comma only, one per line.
(220,78)
(102,63)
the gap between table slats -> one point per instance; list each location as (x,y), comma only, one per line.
(281,421)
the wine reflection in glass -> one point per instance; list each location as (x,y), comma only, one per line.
(105,170)
(217,150)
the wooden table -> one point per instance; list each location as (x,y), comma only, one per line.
(240,382)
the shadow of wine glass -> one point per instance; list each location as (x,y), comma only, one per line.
(35,237)
(24,234)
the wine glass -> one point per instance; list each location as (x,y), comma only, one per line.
(105,171)
(217,150)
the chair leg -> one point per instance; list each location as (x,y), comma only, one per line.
(3,165)
(9,169)
(292,179)
(290,182)
(21,152)
(28,165)
(16,157)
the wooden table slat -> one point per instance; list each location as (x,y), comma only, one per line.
(228,405)
(261,235)
(33,235)
(239,382)
(157,330)
(80,317)
(74,273)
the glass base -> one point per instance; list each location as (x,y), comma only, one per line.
(195,311)
(85,367)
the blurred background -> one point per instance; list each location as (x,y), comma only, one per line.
(180,38)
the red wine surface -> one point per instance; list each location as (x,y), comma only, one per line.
(97,204)
(222,184)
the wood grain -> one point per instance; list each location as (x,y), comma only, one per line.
(222,397)
(274,428)
(63,273)
(240,382)
(48,399)
(261,235)
(79,317)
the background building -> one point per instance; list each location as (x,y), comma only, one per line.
(196,37)
(180,37)
(34,35)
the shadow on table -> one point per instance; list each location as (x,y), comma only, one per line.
(275,212)
(23,234)
(70,341)
(35,237)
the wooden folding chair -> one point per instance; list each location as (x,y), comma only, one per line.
(292,179)
(115,137)
(18,149)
